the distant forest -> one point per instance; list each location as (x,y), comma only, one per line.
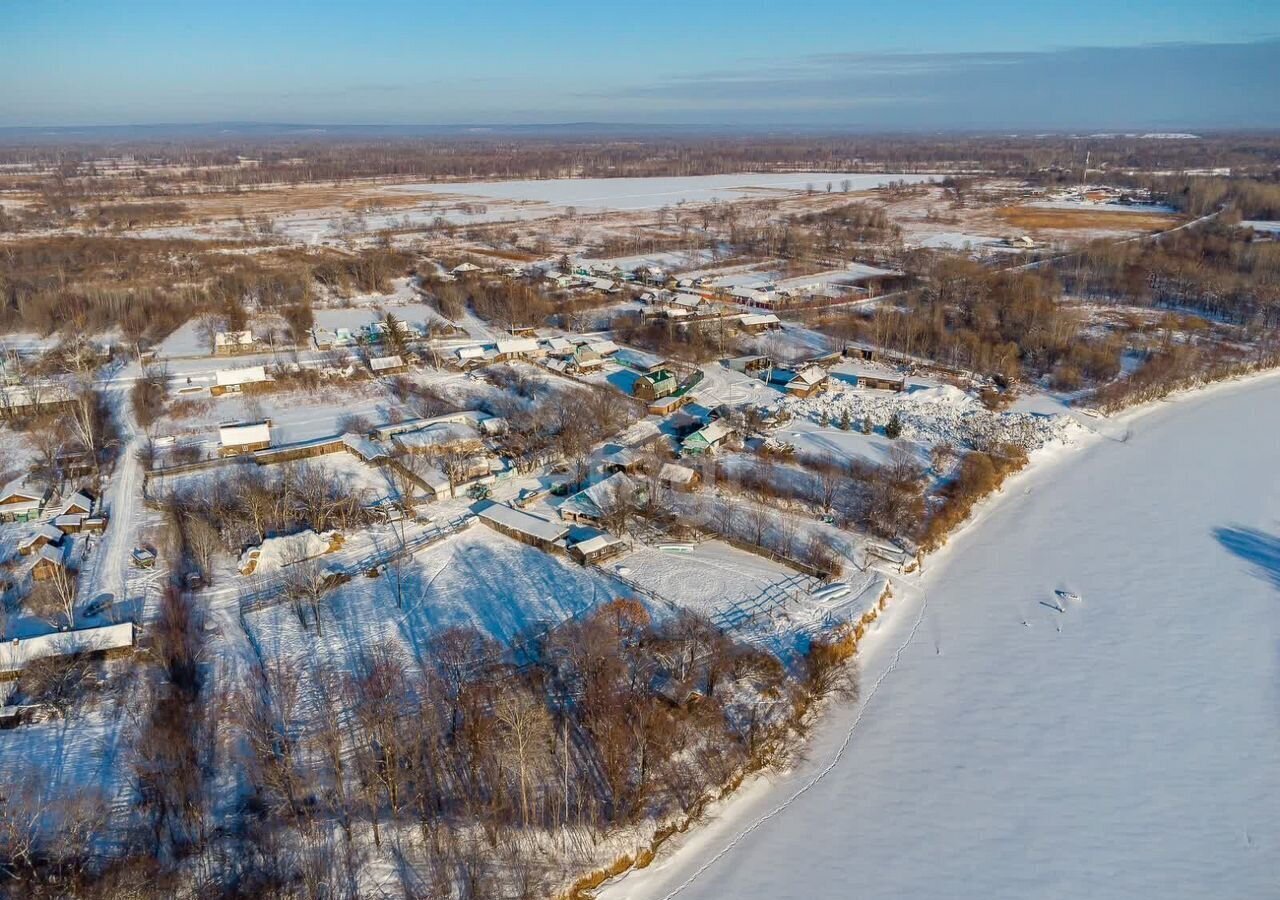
(248,162)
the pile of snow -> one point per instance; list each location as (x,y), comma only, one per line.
(933,415)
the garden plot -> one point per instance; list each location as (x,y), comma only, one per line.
(300,415)
(478,579)
(757,599)
(928,416)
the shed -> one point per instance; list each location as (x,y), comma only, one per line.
(524,527)
(678,478)
(749,365)
(107,640)
(244,437)
(387,365)
(230,381)
(596,548)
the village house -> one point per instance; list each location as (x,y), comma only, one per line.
(50,562)
(596,548)
(639,361)
(45,534)
(678,478)
(516,348)
(622,460)
(439,437)
(585,359)
(465,268)
(708,438)
(388,365)
(229,343)
(78,503)
(107,641)
(524,527)
(591,505)
(234,381)
(808,381)
(760,323)
(19,401)
(655,386)
(243,437)
(21,502)
(880,382)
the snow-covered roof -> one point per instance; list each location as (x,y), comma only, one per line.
(507,346)
(17,653)
(17,493)
(523,522)
(592,501)
(440,434)
(52,553)
(712,432)
(383,363)
(476,352)
(596,542)
(673,474)
(247,375)
(559,345)
(275,552)
(78,500)
(692,301)
(604,348)
(809,376)
(364,447)
(239,434)
(752,321)
(46,531)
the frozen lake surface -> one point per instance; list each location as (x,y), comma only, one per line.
(1127,746)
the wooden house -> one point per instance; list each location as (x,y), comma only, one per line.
(21,502)
(655,386)
(388,365)
(524,527)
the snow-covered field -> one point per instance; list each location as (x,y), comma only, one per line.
(650,193)
(473,202)
(1127,746)
(478,578)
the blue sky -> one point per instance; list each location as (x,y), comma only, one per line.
(921,65)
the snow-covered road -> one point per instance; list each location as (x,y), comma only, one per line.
(1128,746)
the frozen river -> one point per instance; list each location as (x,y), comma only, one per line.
(1126,747)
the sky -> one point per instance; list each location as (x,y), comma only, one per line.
(1098,64)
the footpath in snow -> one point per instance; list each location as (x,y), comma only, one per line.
(1009,744)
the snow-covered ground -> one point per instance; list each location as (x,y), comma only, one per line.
(1127,746)
(650,193)
(478,578)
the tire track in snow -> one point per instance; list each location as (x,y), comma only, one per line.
(835,761)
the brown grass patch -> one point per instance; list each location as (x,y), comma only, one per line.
(1035,218)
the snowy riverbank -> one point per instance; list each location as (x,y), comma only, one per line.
(1003,748)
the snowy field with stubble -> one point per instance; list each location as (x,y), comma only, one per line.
(1127,746)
